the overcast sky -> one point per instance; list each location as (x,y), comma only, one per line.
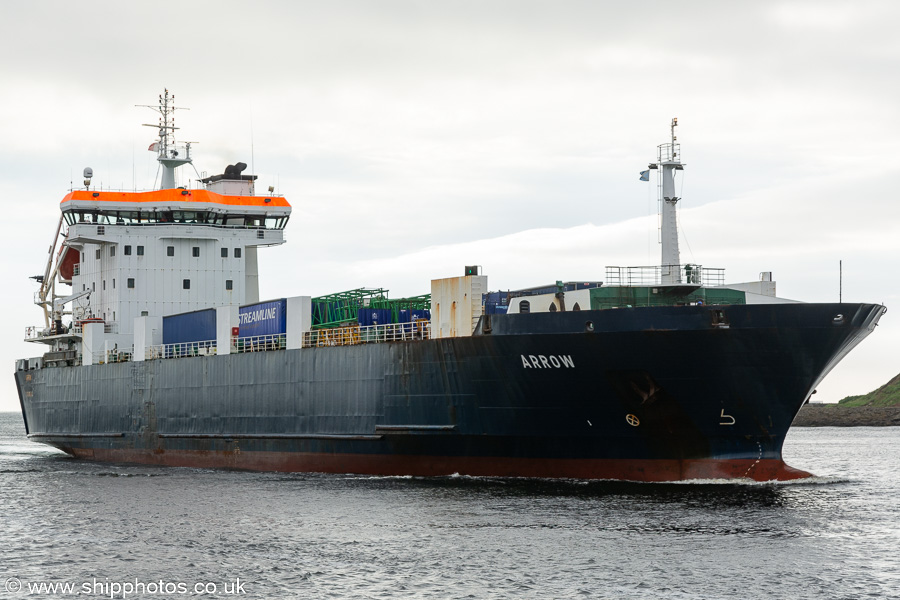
(413,138)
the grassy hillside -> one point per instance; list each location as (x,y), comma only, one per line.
(886,395)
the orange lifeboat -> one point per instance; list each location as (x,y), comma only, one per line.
(68,261)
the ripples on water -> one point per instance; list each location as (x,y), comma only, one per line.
(332,536)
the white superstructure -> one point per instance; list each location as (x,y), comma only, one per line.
(156,253)
(162,253)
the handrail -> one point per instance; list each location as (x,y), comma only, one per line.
(690,274)
(180,350)
(260,343)
(355,334)
(115,355)
(336,336)
(107,328)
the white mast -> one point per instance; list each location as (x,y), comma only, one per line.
(169,154)
(669,161)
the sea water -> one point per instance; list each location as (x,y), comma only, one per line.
(71,528)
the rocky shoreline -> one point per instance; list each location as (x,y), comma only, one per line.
(835,415)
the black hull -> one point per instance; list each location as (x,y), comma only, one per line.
(661,393)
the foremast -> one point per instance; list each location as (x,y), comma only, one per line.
(668,161)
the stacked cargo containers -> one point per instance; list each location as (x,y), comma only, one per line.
(191,331)
(263,318)
(262,325)
(374,316)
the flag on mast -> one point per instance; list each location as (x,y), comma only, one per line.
(645,175)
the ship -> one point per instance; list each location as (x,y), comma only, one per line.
(159,351)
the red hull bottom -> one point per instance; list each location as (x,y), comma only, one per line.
(374,464)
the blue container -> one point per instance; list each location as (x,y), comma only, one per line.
(420,313)
(374,316)
(196,326)
(264,318)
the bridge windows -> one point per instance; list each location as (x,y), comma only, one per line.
(188,217)
(276,222)
(127,217)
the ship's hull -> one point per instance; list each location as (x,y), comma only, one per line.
(647,394)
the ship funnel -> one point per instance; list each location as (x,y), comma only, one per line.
(234,171)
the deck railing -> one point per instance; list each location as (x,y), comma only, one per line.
(116,355)
(656,275)
(181,350)
(260,343)
(336,336)
(107,328)
(370,334)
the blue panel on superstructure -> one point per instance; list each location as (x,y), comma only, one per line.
(420,313)
(196,326)
(264,318)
